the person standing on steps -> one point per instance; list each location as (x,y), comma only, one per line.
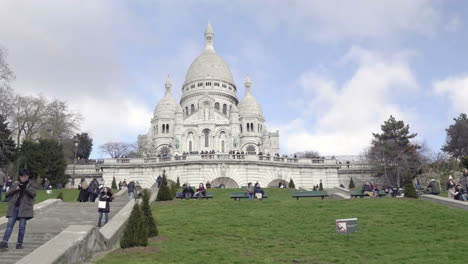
(2,182)
(20,208)
(105,197)
(131,189)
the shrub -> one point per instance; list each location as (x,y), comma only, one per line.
(60,196)
(351,183)
(464,162)
(148,215)
(315,188)
(174,189)
(178,183)
(164,193)
(321,186)
(291,184)
(114,184)
(410,191)
(135,232)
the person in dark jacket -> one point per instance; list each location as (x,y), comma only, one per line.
(131,189)
(2,182)
(434,187)
(187,191)
(367,189)
(104,196)
(258,191)
(159,181)
(201,191)
(459,193)
(20,208)
(93,190)
(83,187)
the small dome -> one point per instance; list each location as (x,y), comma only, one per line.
(167,107)
(249,106)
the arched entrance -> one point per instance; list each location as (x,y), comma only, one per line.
(275,183)
(228,182)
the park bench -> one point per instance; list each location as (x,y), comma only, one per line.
(298,195)
(180,195)
(239,195)
(359,193)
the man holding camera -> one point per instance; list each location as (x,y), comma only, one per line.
(20,208)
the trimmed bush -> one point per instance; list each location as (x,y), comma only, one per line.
(164,193)
(114,184)
(174,189)
(291,184)
(314,189)
(410,191)
(148,215)
(178,183)
(60,196)
(351,184)
(321,186)
(135,232)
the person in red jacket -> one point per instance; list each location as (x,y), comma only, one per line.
(201,191)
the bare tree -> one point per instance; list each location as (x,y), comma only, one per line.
(6,93)
(308,154)
(116,149)
(59,121)
(28,116)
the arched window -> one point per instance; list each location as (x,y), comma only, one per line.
(222,146)
(224,109)
(200,84)
(217,106)
(207,137)
(164,128)
(186,111)
(167,128)
(192,109)
(251,127)
(248,127)
(241,128)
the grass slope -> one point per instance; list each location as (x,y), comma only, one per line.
(283,230)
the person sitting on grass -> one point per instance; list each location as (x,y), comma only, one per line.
(258,191)
(201,191)
(367,189)
(459,193)
(187,191)
(434,187)
(250,191)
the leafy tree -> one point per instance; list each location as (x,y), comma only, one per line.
(135,232)
(291,184)
(464,162)
(7,145)
(320,186)
(410,191)
(114,183)
(351,183)
(392,154)
(150,223)
(44,159)
(85,145)
(456,143)
(173,190)
(164,193)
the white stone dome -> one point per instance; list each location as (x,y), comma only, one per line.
(209,64)
(167,106)
(249,106)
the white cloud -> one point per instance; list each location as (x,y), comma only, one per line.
(353,110)
(456,89)
(363,19)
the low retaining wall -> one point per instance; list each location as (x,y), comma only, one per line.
(341,192)
(38,209)
(445,201)
(73,245)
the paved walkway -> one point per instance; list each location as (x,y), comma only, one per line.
(50,223)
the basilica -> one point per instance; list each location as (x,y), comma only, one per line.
(209,116)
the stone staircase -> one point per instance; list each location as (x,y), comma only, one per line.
(47,225)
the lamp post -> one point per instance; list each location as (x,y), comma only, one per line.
(75,144)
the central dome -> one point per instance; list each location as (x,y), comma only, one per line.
(209,65)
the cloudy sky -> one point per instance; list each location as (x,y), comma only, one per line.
(327,73)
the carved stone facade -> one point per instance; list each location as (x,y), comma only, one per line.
(209,115)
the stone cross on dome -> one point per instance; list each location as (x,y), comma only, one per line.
(168,85)
(209,37)
(248,85)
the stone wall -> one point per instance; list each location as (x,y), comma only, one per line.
(195,169)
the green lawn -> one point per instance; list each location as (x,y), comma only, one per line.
(69,195)
(283,230)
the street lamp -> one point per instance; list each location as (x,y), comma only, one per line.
(75,144)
